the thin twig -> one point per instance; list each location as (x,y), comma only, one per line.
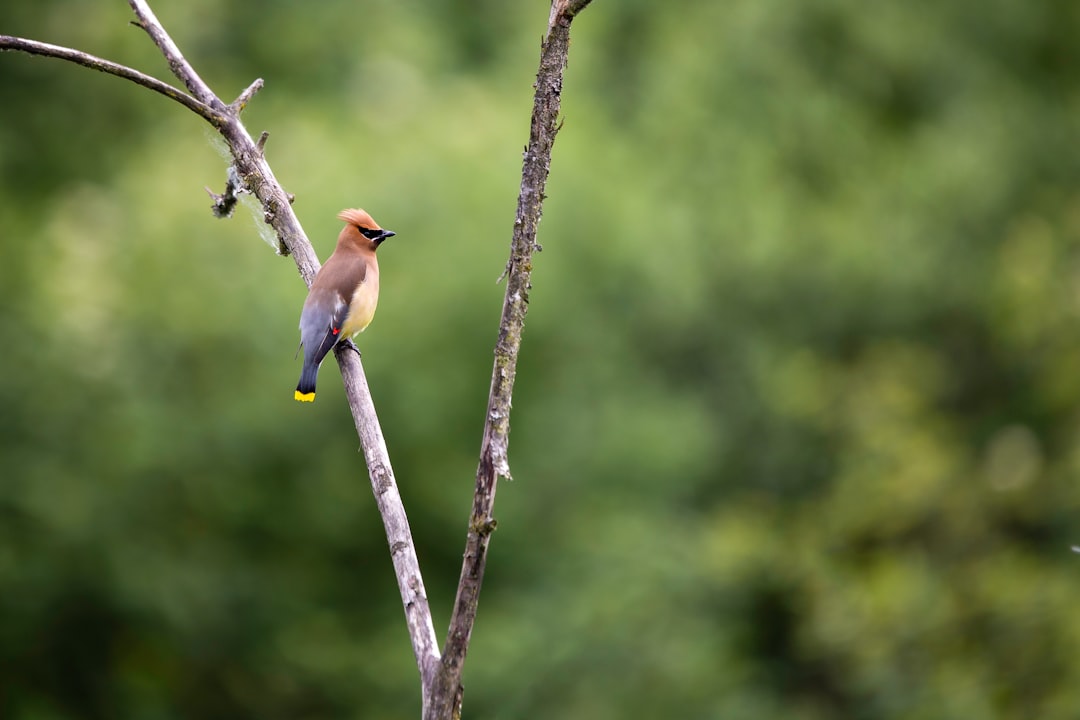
(93,62)
(446,698)
(180,67)
(238,105)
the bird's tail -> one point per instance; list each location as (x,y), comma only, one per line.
(305,389)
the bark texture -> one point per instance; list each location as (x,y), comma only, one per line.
(446,693)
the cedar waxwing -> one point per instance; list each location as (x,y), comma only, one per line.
(343,296)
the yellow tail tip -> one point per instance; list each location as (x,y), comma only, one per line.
(304,397)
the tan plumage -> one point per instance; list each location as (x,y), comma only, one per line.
(343,297)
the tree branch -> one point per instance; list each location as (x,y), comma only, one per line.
(388,499)
(446,698)
(244,98)
(93,62)
(180,67)
(252,173)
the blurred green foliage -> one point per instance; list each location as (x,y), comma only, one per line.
(796,427)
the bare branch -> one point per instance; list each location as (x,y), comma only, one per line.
(255,172)
(180,67)
(573,7)
(238,105)
(563,12)
(93,62)
(388,499)
(445,700)
(250,172)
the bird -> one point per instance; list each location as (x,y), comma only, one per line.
(343,296)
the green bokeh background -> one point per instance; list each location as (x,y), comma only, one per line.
(796,427)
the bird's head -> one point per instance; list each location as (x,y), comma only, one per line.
(362,229)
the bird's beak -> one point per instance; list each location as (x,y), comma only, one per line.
(383,234)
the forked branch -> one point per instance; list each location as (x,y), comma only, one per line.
(440,673)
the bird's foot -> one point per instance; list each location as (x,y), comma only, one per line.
(348,344)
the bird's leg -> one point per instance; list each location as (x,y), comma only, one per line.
(348,344)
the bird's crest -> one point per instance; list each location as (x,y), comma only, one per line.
(355,216)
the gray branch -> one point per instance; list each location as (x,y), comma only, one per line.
(93,62)
(446,695)
(180,67)
(253,174)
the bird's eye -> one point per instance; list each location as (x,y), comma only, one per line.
(369,233)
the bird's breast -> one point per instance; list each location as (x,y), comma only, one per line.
(362,305)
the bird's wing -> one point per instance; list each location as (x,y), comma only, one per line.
(320,322)
(327,305)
